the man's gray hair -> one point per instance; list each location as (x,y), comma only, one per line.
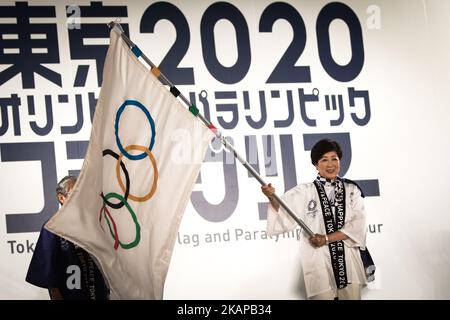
(65,184)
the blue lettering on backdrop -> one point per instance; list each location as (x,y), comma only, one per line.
(214,13)
(228,108)
(22,60)
(329,13)
(41,131)
(80,118)
(76,150)
(223,210)
(14,103)
(35,106)
(165,10)
(45,153)
(286,71)
(97,52)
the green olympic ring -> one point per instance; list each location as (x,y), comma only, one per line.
(135,242)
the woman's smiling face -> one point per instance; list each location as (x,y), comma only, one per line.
(329,165)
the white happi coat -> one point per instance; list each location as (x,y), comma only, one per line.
(304,201)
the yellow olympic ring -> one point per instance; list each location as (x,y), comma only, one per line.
(155,169)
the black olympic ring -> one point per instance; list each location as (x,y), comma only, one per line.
(127,183)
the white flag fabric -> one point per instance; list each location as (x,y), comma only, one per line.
(141,164)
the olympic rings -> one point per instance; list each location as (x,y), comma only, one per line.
(126,189)
(115,234)
(127,178)
(116,128)
(155,177)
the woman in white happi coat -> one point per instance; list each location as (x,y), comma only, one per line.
(340,232)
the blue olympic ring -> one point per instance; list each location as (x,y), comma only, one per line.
(116,129)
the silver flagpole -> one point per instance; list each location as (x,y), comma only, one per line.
(217,132)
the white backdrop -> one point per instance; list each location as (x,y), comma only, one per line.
(221,252)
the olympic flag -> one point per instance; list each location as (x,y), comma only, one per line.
(142,161)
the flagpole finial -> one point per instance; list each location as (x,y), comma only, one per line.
(115,23)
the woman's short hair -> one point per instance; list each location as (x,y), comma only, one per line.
(65,184)
(324,146)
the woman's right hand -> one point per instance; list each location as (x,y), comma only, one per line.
(268,191)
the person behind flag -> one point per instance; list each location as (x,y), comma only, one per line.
(331,259)
(68,271)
